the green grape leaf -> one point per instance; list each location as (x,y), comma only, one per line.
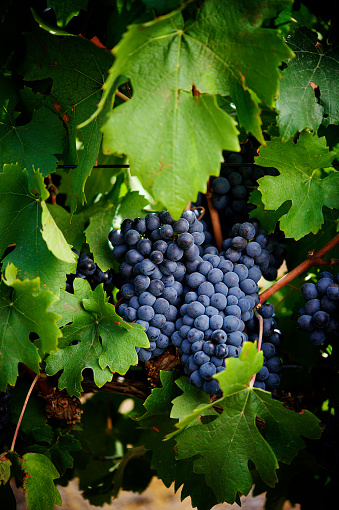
(40,491)
(268,219)
(130,205)
(169,168)
(100,340)
(72,227)
(54,238)
(22,221)
(248,111)
(313,67)
(65,10)
(34,145)
(158,422)
(159,400)
(96,233)
(296,251)
(24,309)
(5,469)
(78,69)
(299,182)
(119,338)
(192,131)
(236,433)
(69,305)
(59,451)
(190,399)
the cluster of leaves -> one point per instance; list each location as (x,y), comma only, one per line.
(162,88)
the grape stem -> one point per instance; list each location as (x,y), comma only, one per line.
(261,331)
(121,95)
(214,217)
(313,259)
(23,411)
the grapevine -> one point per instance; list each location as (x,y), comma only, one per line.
(169,250)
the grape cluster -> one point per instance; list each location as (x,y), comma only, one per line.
(155,253)
(319,316)
(232,188)
(211,323)
(220,298)
(230,197)
(5,398)
(194,298)
(88,270)
(268,378)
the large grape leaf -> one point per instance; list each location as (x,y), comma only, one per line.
(218,53)
(47,255)
(24,309)
(33,145)
(39,487)
(299,182)
(78,69)
(312,67)
(97,338)
(223,447)
(171,169)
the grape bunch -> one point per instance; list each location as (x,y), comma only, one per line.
(268,378)
(319,316)
(5,398)
(230,194)
(88,270)
(232,188)
(220,298)
(210,327)
(194,298)
(155,253)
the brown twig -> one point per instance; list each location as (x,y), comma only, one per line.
(23,411)
(314,259)
(214,218)
(121,386)
(121,95)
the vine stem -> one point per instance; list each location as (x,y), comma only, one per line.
(314,259)
(23,411)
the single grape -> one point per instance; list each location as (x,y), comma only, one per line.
(181,226)
(273,364)
(132,237)
(321,319)
(309,291)
(207,370)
